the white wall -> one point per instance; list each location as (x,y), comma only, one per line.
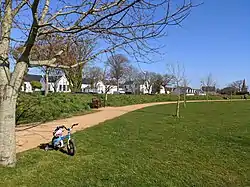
(61,85)
(100,88)
(26,87)
(142,88)
(162,90)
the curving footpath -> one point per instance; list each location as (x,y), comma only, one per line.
(32,136)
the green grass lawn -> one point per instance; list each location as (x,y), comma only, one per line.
(208,146)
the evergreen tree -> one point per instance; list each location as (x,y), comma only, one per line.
(244,87)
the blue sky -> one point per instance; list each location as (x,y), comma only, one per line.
(215,39)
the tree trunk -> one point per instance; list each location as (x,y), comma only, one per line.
(178,107)
(117,83)
(7,93)
(207,95)
(7,127)
(74,76)
(46,91)
(105,99)
(185,100)
(165,89)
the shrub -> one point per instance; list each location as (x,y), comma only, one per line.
(36,85)
(38,108)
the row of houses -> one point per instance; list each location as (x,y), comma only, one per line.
(61,84)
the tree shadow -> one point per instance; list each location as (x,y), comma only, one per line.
(27,127)
(241,141)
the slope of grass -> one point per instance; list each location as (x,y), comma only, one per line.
(38,108)
(208,146)
(33,108)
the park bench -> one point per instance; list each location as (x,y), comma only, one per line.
(96,103)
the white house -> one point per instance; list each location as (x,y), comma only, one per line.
(87,88)
(189,91)
(132,87)
(61,84)
(58,84)
(99,87)
(26,87)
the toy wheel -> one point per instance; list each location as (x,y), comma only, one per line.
(46,148)
(71,148)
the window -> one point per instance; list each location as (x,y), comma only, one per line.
(64,87)
(60,87)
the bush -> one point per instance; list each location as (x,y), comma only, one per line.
(38,108)
(36,85)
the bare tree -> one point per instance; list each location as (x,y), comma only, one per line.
(167,80)
(133,78)
(208,84)
(94,75)
(107,81)
(53,76)
(127,25)
(119,66)
(76,50)
(237,85)
(149,78)
(184,84)
(178,72)
(157,81)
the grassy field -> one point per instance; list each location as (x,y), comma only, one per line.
(208,146)
(32,108)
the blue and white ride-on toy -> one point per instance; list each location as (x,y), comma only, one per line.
(59,141)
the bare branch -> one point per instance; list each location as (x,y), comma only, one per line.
(48,63)
(44,12)
(18,8)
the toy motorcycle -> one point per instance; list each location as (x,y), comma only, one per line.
(59,141)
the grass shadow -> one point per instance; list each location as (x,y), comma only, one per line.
(239,140)
(49,147)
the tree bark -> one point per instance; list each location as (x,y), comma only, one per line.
(106,99)
(7,126)
(117,83)
(165,89)
(178,107)
(185,100)
(74,76)
(46,91)
(7,94)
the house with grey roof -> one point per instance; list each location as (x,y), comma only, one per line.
(26,86)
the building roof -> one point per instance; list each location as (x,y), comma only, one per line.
(86,81)
(54,78)
(208,88)
(129,82)
(30,77)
